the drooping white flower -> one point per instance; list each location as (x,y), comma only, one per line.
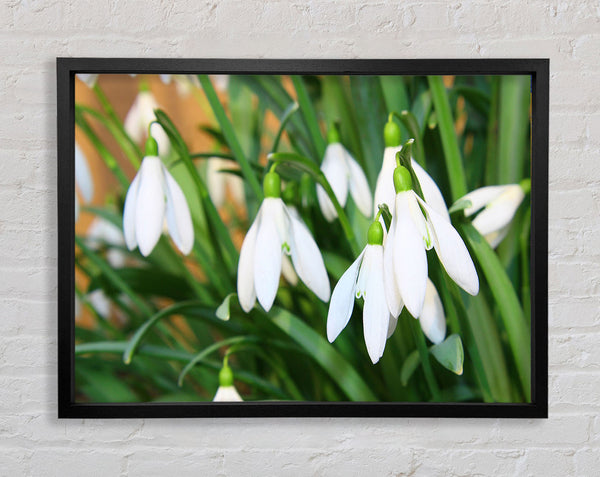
(139,117)
(153,196)
(415,228)
(219,182)
(83,179)
(343,173)
(499,204)
(226,391)
(364,278)
(385,193)
(276,231)
(103,232)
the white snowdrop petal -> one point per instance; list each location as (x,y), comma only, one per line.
(384,190)
(215,181)
(481,197)
(327,207)
(342,300)
(267,255)
(88,78)
(335,169)
(162,140)
(393,322)
(307,259)
(499,213)
(392,293)
(150,204)
(133,123)
(410,259)
(431,192)
(129,211)
(287,269)
(494,238)
(166,79)
(359,187)
(245,279)
(375,310)
(452,252)
(433,319)
(227,394)
(179,218)
(83,177)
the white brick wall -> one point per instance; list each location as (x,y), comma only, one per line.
(33,33)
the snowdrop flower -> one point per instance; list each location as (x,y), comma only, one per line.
(364,278)
(433,318)
(153,195)
(384,189)
(103,232)
(226,391)
(415,228)
(499,204)
(276,231)
(343,173)
(219,183)
(83,179)
(141,115)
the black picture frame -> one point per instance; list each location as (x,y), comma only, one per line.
(539,71)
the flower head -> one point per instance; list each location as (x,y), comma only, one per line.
(343,173)
(226,391)
(140,116)
(499,204)
(415,228)
(153,196)
(276,231)
(219,182)
(363,279)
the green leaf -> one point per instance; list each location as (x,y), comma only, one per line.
(309,115)
(454,164)
(342,373)
(285,117)
(223,311)
(450,354)
(410,365)
(135,340)
(230,136)
(507,302)
(371,118)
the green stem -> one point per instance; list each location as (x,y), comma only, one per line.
(454,165)
(230,136)
(287,114)
(424,355)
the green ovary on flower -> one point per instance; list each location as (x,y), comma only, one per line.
(272,185)
(402,179)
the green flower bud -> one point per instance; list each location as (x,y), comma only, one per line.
(391,134)
(333,135)
(402,179)
(151,147)
(225,376)
(375,234)
(272,185)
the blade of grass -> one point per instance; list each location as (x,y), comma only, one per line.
(230,136)
(105,154)
(309,115)
(519,336)
(323,353)
(424,357)
(454,165)
(285,117)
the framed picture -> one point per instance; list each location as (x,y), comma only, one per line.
(246,238)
